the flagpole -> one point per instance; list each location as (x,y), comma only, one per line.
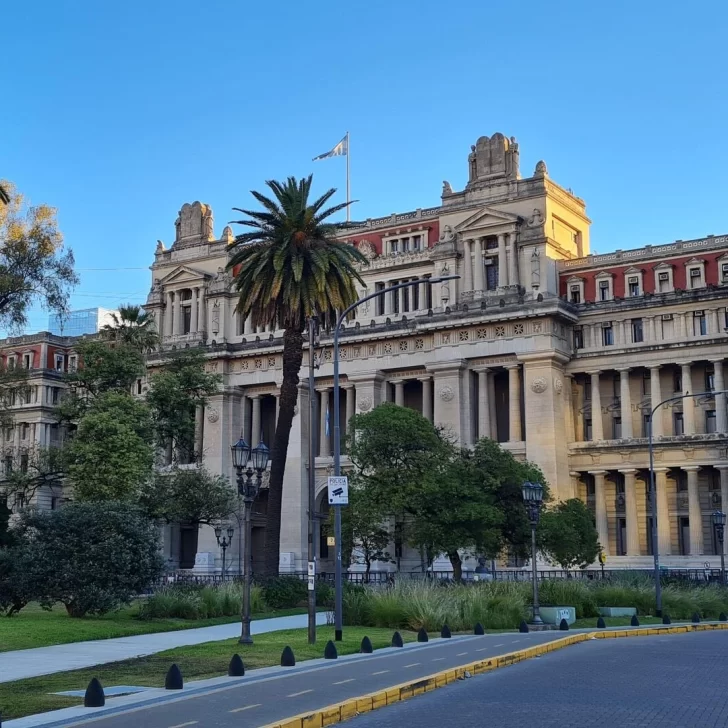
(348,191)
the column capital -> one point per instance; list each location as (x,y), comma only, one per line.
(323,389)
(655,367)
(481,370)
(514,365)
(428,378)
(660,470)
(628,471)
(347,385)
(395,381)
(597,472)
(575,473)
(722,466)
(594,372)
(624,370)
(690,468)
(719,360)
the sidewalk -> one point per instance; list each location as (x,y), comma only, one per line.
(19,664)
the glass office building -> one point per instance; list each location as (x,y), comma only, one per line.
(77,323)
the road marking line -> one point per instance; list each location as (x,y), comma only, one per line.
(514,641)
(437,659)
(246,707)
(381,672)
(341,682)
(414,664)
(182,725)
(460,654)
(302,692)
(500,645)
(483,649)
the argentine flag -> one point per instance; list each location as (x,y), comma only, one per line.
(340,150)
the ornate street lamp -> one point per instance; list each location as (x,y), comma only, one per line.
(533,499)
(256,461)
(718,518)
(224,543)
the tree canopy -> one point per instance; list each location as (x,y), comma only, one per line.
(568,536)
(132,326)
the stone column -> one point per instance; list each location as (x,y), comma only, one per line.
(574,477)
(514,403)
(713,322)
(630,503)
(199,420)
(389,299)
(177,312)
(600,499)
(248,326)
(664,540)
(721,418)
(502,263)
(277,395)
(350,403)
(467,266)
(688,403)
(695,512)
(426,397)
(398,391)
(625,401)
(195,310)
(513,260)
(596,407)
(479,282)
(169,314)
(16,437)
(723,470)
(655,398)
(255,425)
(569,407)
(681,325)
(483,404)
(325,448)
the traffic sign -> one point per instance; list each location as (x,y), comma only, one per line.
(338,490)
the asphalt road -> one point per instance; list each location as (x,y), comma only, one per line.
(650,682)
(258,701)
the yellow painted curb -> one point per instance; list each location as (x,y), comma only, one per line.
(351,707)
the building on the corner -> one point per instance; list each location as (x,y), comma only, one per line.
(81,321)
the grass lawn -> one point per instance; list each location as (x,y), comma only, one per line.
(591,622)
(35,627)
(24,697)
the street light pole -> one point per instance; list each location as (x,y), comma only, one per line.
(312,430)
(533,498)
(338,630)
(223,543)
(248,489)
(719,519)
(653,490)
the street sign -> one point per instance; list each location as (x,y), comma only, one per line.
(311,583)
(312,568)
(338,490)
(330,541)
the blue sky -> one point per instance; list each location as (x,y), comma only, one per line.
(117,113)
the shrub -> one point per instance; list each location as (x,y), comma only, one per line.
(284,592)
(182,601)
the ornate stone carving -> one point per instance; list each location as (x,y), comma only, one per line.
(213,415)
(367,249)
(446,394)
(365,404)
(541,170)
(536,220)
(447,235)
(160,247)
(539,385)
(558,385)
(492,157)
(446,188)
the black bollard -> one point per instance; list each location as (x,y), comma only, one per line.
(173,680)
(236,667)
(366,646)
(723,617)
(94,697)
(422,635)
(397,640)
(523,627)
(479,629)
(696,618)
(564,625)
(287,657)
(330,652)
(634,621)
(601,624)
(445,632)
(666,619)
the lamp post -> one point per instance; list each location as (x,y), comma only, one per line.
(224,543)
(256,461)
(338,601)
(718,518)
(653,490)
(533,498)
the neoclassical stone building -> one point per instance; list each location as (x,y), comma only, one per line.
(553,352)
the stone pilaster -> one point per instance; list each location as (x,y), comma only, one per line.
(694,511)
(663,512)
(448,409)
(600,499)
(630,499)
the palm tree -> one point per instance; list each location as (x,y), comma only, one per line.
(289,267)
(4,196)
(132,325)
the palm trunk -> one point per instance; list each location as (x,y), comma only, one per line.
(457,566)
(292,360)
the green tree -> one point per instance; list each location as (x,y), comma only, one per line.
(174,394)
(30,470)
(111,454)
(91,557)
(567,535)
(133,326)
(33,264)
(287,268)
(189,496)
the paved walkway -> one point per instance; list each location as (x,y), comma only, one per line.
(19,664)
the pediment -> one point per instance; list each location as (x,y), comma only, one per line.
(184,274)
(575,279)
(486,217)
(633,271)
(604,274)
(664,265)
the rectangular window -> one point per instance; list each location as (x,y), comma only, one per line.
(645,425)
(637,331)
(72,363)
(404,245)
(677,423)
(587,428)
(603,290)
(646,382)
(55,391)
(24,430)
(578,339)
(379,300)
(677,381)
(55,502)
(587,391)
(724,272)
(634,286)
(709,380)
(607,336)
(416,243)
(710,421)
(27,361)
(700,324)
(576,294)
(491,274)
(59,362)
(11,362)
(663,282)
(24,462)
(694,278)
(615,386)
(139,386)
(394,246)
(617,428)
(8,464)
